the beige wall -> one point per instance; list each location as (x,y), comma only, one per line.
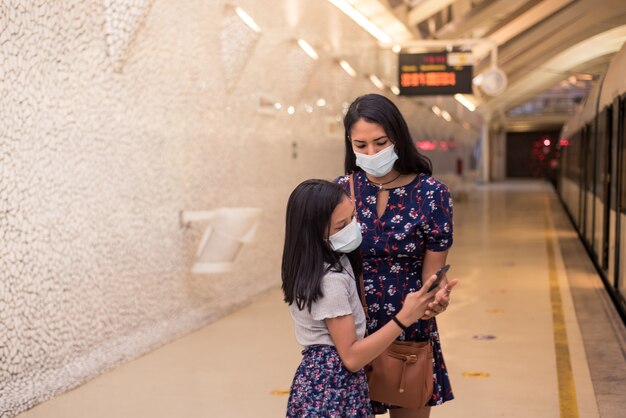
(116,115)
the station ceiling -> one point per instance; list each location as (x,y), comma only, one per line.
(550,50)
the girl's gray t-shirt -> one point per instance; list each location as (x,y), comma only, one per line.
(340,298)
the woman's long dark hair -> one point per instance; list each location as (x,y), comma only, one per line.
(306,255)
(375,108)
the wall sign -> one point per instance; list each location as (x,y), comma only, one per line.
(431,74)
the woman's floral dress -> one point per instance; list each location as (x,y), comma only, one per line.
(418,217)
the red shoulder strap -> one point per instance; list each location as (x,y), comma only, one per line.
(352,188)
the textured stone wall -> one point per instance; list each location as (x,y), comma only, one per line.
(114,116)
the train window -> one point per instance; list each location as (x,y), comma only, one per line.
(607,154)
(601,155)
(574,158)
(572,170)
(611,157)
(566,154)
(589,154)
(564,163)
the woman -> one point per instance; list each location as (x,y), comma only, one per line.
(406,223)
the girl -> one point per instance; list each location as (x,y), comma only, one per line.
(319,267)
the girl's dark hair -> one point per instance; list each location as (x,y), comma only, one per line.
(306,255)
(375,108)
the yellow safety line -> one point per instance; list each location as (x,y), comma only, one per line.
(567,389)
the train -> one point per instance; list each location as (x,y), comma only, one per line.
(591,180)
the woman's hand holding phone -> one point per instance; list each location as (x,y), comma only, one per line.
(442,300)
(439,274)
(416,303)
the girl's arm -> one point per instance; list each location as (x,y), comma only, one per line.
(355,353)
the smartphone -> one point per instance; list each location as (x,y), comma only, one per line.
(440,273)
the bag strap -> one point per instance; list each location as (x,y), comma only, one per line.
(352,188)
(361,283)
(362,294)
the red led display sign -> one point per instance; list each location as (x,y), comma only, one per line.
(430,74)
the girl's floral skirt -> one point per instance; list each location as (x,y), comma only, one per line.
(324,388)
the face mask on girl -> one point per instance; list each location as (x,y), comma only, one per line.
(379,164)
(347,239)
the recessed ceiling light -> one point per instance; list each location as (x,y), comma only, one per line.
(376,81)
(362,21)
(306,47)
(247,19)
(347,68)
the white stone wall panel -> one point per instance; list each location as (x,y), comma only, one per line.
(115,115)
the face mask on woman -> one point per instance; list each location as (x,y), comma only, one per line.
(347,239)
(379,164)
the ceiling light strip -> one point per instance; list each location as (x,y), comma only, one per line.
(377,81)
(306,47)
(347,68)
(362,21)
(247,19)
(465,102)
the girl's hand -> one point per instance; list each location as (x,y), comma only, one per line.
(441,302)
(416,303)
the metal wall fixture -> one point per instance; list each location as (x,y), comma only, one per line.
(268,105)
(226,232)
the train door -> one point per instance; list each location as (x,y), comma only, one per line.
(575,164)
(589,195)
(582,226)
(620,266)
(601,187)
(580,180)
(613,200)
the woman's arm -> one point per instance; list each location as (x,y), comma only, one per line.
(355,353)
(438,240)
(434,260)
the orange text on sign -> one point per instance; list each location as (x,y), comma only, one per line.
(433,79)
